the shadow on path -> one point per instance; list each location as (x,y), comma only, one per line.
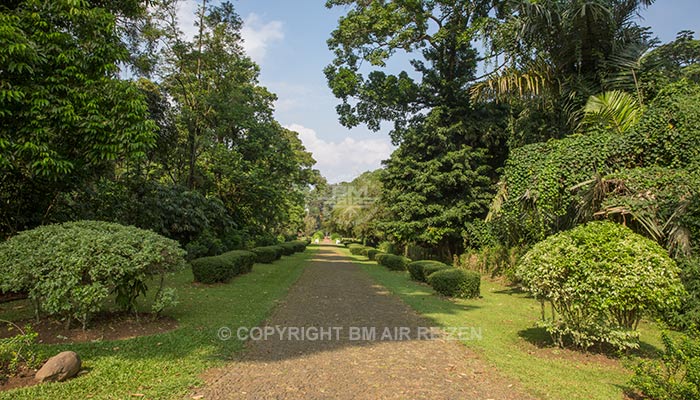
(340,335)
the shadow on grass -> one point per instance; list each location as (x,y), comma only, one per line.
(540,338)
(335,293)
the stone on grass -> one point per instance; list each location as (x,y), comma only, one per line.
(60,367)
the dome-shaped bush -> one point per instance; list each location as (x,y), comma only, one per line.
(70,269)
(600,278)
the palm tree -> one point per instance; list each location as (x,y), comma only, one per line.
(559,52)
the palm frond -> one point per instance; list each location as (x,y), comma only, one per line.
(613,110)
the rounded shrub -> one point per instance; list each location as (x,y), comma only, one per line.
(379,257)
(70,269)
(267,254)
(356,249)
(371,253)
(429,269)
(394,263)
(365,251)
(600,278)
(288,248)
(456,282)
(299,245)
(223,267)
(415,268)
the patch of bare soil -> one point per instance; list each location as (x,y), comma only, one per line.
(577,357)
(105,326)
(23,378)
(335,294)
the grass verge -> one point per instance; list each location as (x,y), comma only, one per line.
(506,320)
(168,365)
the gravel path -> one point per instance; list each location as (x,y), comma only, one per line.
(333,298)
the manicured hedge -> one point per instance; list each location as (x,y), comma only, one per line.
(267,254)
(379,257)
(429,269)
(223,267)
(416,268)
(288,248)
(365,251)
(456,282)
(299,245)
(394,263)
(356,249)
(371,253)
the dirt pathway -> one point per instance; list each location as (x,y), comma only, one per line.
(335,299)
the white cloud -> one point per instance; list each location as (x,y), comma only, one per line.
(257,35)
(186,16)
(344,160)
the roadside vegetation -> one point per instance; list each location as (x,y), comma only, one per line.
(168,365)
(509,340)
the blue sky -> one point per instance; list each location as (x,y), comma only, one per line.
(287,38)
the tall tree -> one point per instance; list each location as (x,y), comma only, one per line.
(554,54)
(449,149)
(64,115)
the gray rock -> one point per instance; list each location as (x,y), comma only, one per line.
(60,367)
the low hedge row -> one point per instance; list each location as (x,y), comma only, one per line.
(394,263)
(431,268)
(417,268)
(356,249)
(223,267)
(371,253)
(287,248)
(299,245)
(456,282)
(267,254)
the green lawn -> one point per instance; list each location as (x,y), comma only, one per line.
(168,365)
(506,317)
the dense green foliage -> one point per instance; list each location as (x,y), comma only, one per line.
(64,117)
(441,175)
(676,376)
(17,349)
(194,154)
(70,269)
(600,279)
(456,282)
(355,210)
(223,267)
(416,268)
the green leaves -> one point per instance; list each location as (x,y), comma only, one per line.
(70,269)
(617,111)
(63,115)
(600,278)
